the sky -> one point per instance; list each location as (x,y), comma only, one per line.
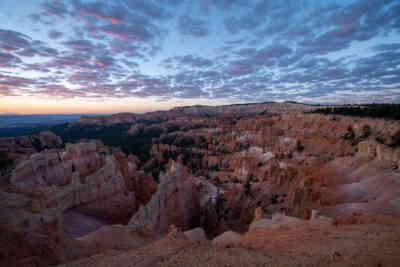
(80,56)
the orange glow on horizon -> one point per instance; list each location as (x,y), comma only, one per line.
(44,106)
(41,105)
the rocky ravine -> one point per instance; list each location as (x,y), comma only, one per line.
(286,190)
(88,180)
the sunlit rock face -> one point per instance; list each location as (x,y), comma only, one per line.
(380,151)
(176,202)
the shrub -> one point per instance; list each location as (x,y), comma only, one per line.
(395,139)
(248,188)
(366,131)
(386,111)
(299,146)
(349,135)
(379,138)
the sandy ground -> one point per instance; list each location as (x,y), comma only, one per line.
(76,224)
(310,243)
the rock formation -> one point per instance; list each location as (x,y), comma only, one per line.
(265,182)
(20,147)
(176,202)
(228,238)
(52,194)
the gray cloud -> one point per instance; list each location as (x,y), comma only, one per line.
(193,27)
(265,50)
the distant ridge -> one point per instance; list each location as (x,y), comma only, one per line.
(288,107)
(201,111)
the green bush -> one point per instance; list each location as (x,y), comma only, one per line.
(299,146)
(366,131)
(349,135)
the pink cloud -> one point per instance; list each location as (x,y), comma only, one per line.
(113,20)
(8,48)
(120,35)
(238,69)
(346,30)
(94,62)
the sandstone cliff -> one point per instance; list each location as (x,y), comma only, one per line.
(54,188)
(176,202)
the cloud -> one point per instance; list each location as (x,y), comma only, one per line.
(150,8)
(194,61)
(59,91)
(95,13)
(100,11)
(387,47)
(274,51)
(8,60)
(240,68)
(6,92)
(235,25)
(276,14)
(12,40)
(80,45)
(56,8)
(137,32)
(187,61)
(55,34)
(192,26)
(360,21)
(86,78)
(262,50)
(14,81)
(23,46)
(190,92)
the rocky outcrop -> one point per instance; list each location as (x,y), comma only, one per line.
(312,243)
(228,238)
(199,111)
(381,151)
(20,147)
(258,214)
(245,109)
(115,236)
(107,120)
(196,235)
(85,185)
(87,175)
(277,221)
(176,202)
(228,172)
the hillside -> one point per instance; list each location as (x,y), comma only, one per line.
(242,186)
